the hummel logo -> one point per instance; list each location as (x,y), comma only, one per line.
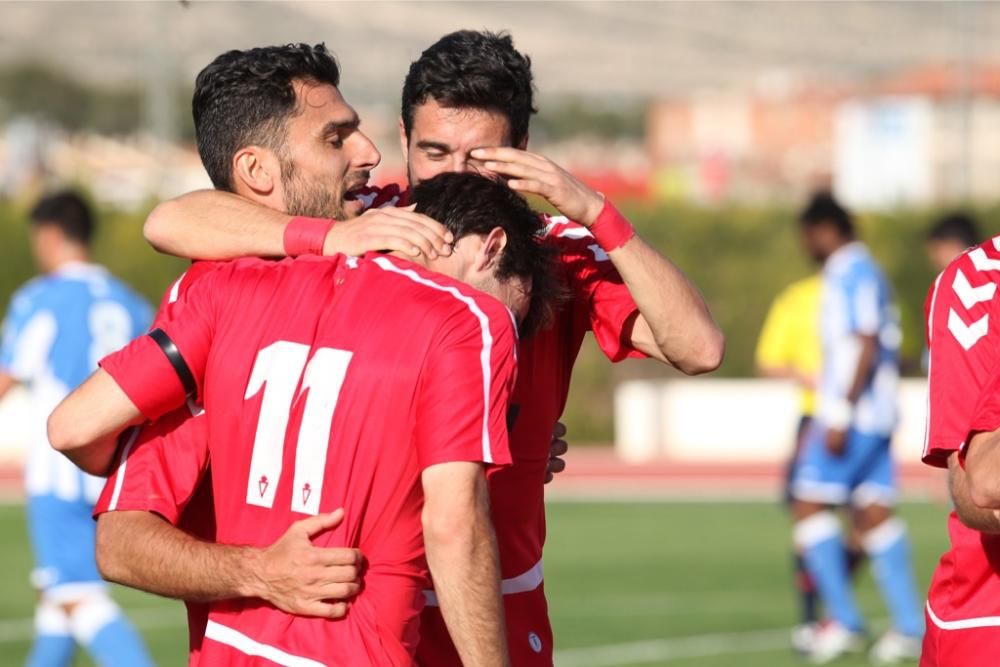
(982,262)
(967,335)
(306,492)
(970,295)
(262,485)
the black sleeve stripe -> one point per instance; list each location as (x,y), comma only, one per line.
(176,360)
(512,412)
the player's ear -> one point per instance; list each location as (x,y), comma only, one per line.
(491,250)
(255,169)
(523,144)
(404,141)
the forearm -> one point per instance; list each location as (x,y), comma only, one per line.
(142,550)
(982,469)
(85,426)
(466,574)
(975,517)
(866,366)
(676,326)
(215,225)
(462,555)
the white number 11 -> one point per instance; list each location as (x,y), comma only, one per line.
(277,370)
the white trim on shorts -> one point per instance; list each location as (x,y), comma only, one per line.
(522,583)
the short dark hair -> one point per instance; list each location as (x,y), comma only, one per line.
(471,69)
(243,98)
(470,203)
(68,211)
(823,208)
(956,226)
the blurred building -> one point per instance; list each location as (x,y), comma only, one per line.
(928,134)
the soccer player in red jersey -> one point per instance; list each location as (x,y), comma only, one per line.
(963,435)
(272,127)
(466,105)
(317,398)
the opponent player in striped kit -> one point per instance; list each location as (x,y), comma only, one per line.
(57,328)
(845,460)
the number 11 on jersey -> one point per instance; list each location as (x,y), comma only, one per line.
(277,370)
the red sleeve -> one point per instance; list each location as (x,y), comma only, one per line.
(465,389)
(964,353)
(142,368)
(593,280)
(159,467)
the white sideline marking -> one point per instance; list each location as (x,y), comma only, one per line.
(683,647)
(675,648)
(147,618)
(710,603)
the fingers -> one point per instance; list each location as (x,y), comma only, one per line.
(315,525)
(404,231)
(556,466)
(418,220)
(530,186)
(320,609)
(339,557)
(510,155)
(558,448)
(559,431)
(519,170)
(341,591)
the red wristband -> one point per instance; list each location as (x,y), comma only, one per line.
(611,230)
(306,236)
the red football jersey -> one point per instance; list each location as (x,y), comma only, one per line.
(331,382)
(963,333)
(599,302)
(161,466)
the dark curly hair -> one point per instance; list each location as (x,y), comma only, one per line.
(823,208)
(470,69)
(470,203)
(243,98)
(69,212)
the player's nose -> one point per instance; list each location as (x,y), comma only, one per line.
(366,156)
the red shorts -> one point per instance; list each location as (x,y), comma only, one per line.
(967,647)
(529,635)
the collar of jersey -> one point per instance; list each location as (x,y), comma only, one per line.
(845,255)
(75,268)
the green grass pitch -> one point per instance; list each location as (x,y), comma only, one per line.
(686,584)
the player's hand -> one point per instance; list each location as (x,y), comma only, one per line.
(388,228)
(836,442)
(535,174)
(557,450)
(300,578)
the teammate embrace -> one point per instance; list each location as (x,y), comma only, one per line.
(381,383)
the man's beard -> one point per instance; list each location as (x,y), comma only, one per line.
(310,199)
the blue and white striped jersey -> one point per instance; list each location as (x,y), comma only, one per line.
(857,301)
(57,328)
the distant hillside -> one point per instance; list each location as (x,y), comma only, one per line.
(601,49)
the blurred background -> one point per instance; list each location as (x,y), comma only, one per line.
(709,123)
